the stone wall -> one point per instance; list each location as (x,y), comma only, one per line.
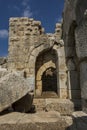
(27,40)
(74,35)
(24,35)
(73,12)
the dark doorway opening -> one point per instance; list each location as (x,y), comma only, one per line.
(49,80)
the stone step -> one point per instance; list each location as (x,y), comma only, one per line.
(49,94)
(37,121)
(39,104)
(63,106)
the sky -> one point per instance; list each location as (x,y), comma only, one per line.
(49,12)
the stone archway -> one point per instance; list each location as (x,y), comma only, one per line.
(60,67)
(45,66)
(40,74)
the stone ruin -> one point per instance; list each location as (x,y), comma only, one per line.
(46,73)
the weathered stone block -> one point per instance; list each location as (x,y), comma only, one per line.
(39,83)
(39,103)
(38,121)
(38,91)
(12,88)
(63,106)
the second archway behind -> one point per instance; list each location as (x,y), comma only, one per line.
(46,72)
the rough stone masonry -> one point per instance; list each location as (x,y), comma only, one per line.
(51,66)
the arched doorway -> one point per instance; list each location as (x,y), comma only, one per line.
(49,80)
(46,73)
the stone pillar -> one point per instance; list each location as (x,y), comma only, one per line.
(61,72)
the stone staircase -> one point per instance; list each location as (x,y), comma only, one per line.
(51,114)
(49,94)
(50,101)
(63,106)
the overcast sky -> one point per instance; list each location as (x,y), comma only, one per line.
(49,12)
